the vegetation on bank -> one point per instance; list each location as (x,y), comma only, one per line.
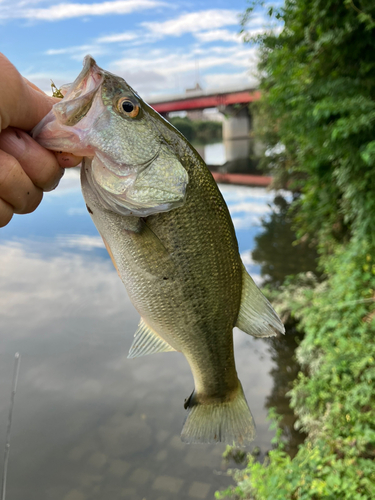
(334,398)
(317,118)
(198,130)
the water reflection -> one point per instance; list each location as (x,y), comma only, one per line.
(284,373)
(88,422)
(278,256)
(276,250)
(230,156)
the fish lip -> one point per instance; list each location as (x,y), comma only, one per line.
(90,69)
(85,86)
(83,89)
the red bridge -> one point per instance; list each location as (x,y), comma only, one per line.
(202,100)
(237,124)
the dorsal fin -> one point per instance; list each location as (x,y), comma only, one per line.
(256,317)
(146,341)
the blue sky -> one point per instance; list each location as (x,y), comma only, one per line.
(158,46)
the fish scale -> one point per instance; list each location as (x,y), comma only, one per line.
(169,233)
(189,310)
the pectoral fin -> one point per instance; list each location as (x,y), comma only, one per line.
(257,317)
(146,341)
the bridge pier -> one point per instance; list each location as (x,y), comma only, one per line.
(237,122)
(237,137)
(236,131)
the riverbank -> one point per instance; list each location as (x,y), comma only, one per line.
(317,123)
(242,179)
(333,398)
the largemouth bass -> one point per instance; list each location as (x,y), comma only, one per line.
(171,239)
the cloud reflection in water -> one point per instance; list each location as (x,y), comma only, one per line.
(88,422)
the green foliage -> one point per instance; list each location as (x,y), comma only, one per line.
(317,113)
(200,131)
(185,126)
(335,400)
(317,120)
(238,455)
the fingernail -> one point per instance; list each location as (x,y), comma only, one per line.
(12,142)
(54,186)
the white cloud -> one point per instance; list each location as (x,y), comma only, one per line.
(247,258)
(231,80)
(78,52)
(27,279)
(81,241)
(117,37)
(86,49)
(73,211)
(144,80)
(246,221)
(177,70)
(180,62)
(218,35)
(250,207)
(193,22)
(69,183)
(70,10)
(236,193)
(223,35)
(171,70)
(43,79)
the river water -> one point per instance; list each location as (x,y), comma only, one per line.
(89,423)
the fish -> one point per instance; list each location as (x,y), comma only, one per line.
(171,239)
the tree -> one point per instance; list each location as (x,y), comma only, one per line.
(317,120)
(317,113)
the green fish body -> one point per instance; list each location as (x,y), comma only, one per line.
(170,236)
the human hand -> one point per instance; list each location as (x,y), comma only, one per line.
(26,168)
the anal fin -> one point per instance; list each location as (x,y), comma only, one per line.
(147,341)
(256,317)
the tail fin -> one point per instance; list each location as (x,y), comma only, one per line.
(229,422)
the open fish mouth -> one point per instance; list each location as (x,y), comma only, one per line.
(132,169)
(58,131)
(79,96)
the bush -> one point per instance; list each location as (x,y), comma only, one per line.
(317,120)
(335,400)
(317,112)
(199,131)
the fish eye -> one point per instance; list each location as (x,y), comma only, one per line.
(128,107)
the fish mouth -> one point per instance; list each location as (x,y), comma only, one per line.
(64,128)
(124,183)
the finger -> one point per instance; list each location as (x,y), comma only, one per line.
(16,188)
(67,160)
(20,105)
(54,100)
(6,213)
(32,85)
(40,165)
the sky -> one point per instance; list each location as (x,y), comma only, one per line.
(161,47)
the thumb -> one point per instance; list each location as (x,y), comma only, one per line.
(21,105)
